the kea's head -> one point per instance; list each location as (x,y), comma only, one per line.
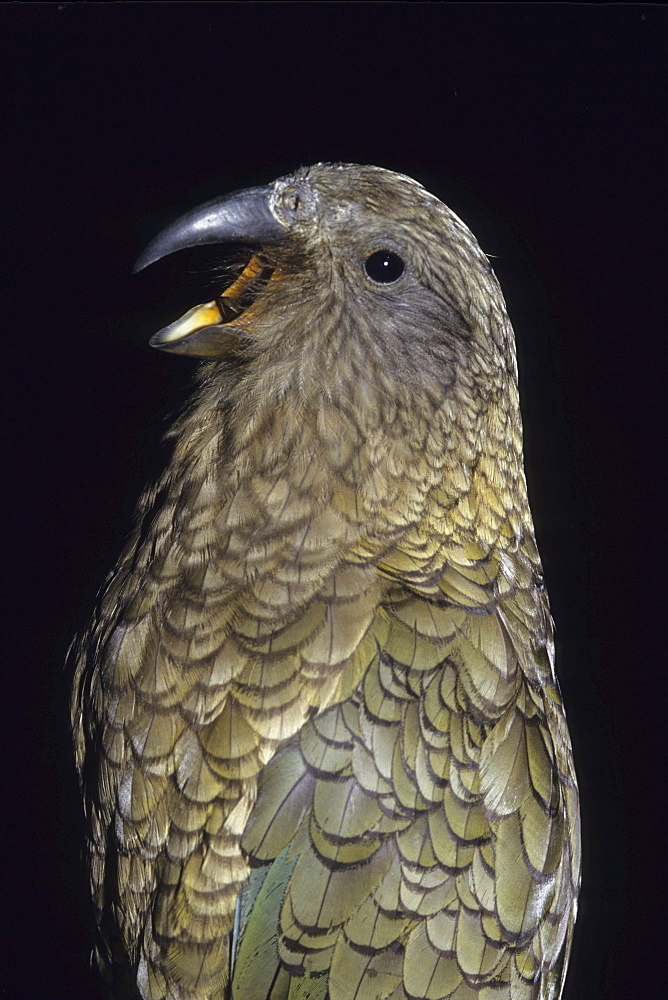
(360,289)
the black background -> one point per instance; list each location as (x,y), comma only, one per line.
(544,127)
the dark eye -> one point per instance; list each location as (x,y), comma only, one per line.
(384,267)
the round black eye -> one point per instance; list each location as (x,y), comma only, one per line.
(384,267)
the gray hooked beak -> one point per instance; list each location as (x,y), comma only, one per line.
(243,217)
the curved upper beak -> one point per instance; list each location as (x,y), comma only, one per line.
(242,217)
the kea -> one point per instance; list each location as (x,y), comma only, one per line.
(322,748)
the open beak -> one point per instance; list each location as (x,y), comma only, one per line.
(207,330)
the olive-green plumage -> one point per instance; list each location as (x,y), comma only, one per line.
(322,748)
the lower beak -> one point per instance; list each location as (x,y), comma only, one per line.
(200,333)
(206,330)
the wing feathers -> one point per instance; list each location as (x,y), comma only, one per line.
(467,810)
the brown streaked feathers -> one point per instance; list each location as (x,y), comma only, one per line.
(322,748)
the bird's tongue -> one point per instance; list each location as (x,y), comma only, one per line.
(202,332)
